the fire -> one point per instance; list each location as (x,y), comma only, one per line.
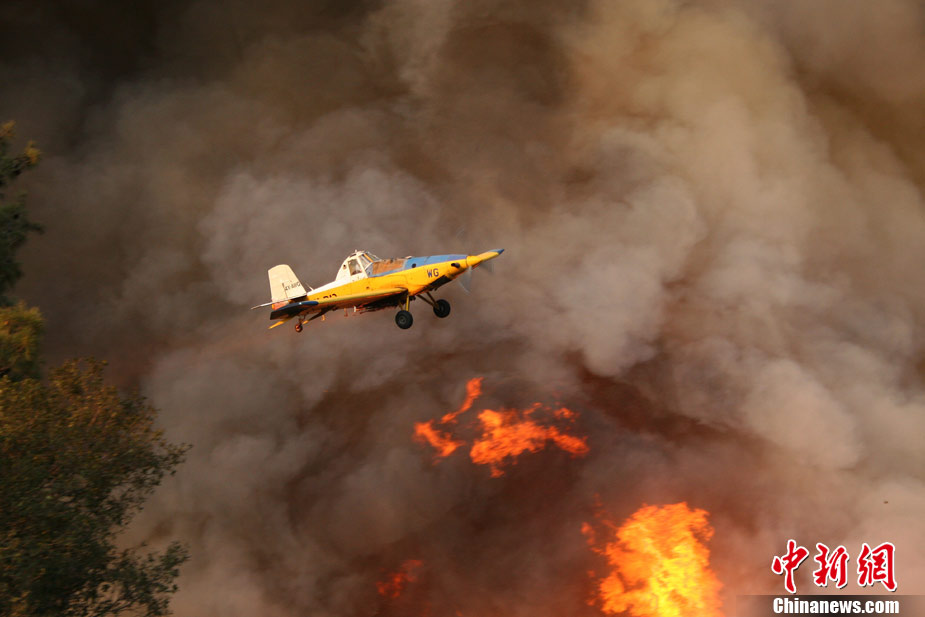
(442,441)
(473,391)
(397,581)
(660,566)
(504,435)
(508,434)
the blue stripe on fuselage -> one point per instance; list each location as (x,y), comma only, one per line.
(417,262)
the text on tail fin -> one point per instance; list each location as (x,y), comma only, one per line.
(284,285)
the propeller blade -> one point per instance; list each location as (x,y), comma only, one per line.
(465,279)
(489,267)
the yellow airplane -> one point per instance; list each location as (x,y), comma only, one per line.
(366,283)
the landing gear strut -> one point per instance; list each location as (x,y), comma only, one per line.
(441,307)
(403,317)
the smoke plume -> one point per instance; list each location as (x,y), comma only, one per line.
(714,228)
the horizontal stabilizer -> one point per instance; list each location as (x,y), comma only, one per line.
(293,308)
(280,322)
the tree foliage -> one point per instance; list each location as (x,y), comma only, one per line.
(20,341)
(77,461)
(14,224)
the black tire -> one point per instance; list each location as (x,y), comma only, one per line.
(404,319)
(298,327)
(442,308)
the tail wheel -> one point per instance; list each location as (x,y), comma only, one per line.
(442,308)
(404,319)
(298,327)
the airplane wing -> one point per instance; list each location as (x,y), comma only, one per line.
(361,299)
(307,307)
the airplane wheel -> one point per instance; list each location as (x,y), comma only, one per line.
(298,327)
(404,319)
(442,308)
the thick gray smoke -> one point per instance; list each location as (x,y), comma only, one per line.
(715,232)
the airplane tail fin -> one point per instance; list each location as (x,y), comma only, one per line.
(284,285)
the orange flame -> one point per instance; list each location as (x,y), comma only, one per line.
(473,391)
(660,565)
(397,581)
(505,434)
(442,441)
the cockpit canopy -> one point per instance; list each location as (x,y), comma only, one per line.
(356,263)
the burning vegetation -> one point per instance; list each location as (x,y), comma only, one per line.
(503,435)
(659,564)
(395,583)
(716,225)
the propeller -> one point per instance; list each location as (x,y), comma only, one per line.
(474,261)
(465,279)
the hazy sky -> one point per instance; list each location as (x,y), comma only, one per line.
(714,230)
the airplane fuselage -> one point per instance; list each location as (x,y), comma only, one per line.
(417,274)
(367,283)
